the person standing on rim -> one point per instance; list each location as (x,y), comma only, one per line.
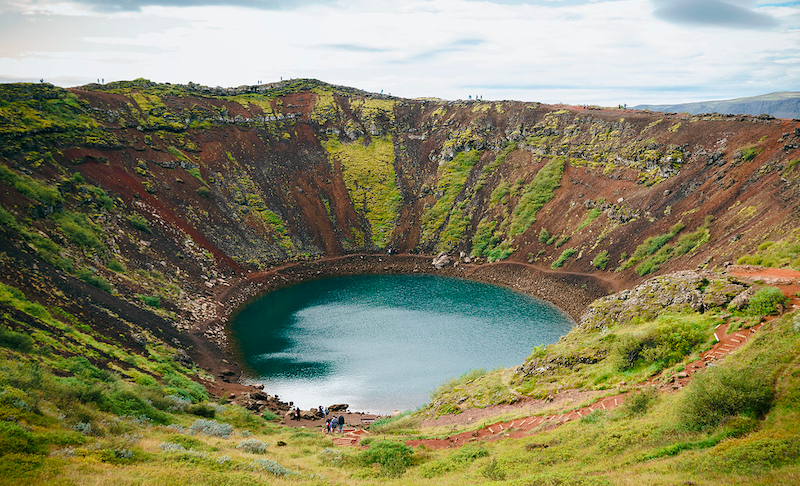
(340,421)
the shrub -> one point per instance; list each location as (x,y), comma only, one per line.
(666,342)
(88,276)
(203,191)
(392,457)
(564,256)
(139,223)
(172,447)
(766,301)
(150,300)
(253,446)
(719,393)
(202,410)
(15,340)
(270,416)
(183,386)
(15,439)
(601,260)
(544,236)
(129,403)
(639,403)
(211,428)
(270,467)
(116,266)
(468,454)
(494,471)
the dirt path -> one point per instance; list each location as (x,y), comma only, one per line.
(535,423)
(787,280)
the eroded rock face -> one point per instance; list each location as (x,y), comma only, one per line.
(674,292)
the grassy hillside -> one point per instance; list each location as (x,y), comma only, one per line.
(135,217)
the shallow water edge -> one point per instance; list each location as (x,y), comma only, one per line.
(570,292)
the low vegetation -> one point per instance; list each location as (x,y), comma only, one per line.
(535,195)
(368,171)
(226,182)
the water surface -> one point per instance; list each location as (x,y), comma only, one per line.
(383,342)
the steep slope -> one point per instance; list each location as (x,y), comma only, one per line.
(136,217)
(170,199)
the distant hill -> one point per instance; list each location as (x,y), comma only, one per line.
(783,104)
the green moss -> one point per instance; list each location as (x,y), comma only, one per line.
(368,172)
(42,115)
(535,195)
(31,188)
(593,214)
(783,253)
(563,257)
(452,176)
(685,244)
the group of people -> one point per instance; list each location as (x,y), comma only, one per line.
(331,423)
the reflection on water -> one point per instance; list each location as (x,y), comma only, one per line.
(383,342)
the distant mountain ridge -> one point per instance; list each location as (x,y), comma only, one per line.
(782,104)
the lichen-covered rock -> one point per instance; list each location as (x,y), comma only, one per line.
(722,290)
(687,290)
(742,299)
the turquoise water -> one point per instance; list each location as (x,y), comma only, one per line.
(383,342)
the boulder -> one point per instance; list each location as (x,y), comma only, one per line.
(674,292)
(721,291)
(441,260)
(742,299)
(339,407)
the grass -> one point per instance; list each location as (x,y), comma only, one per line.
(368,172)
(566,254)
(784,253)
(452,176)
(100,427)
(685,244)
(489,242)
(535,195)
(766,301)
(593,214)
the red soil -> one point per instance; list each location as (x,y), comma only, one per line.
(787,280)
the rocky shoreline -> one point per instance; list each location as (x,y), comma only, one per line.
(570,292)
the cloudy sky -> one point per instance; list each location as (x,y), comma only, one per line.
(572,51)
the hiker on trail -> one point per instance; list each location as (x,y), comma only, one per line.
(297,413)
(322,411)
(340,421)
(327,426)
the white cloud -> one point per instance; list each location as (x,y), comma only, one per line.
(576,51)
